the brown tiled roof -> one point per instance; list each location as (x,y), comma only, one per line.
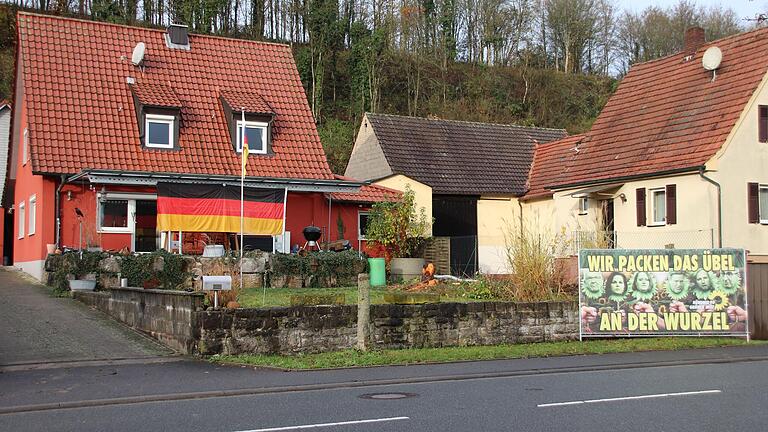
(367,195)
(457,157)
(252,102)
(154,94)
(548,164)
(668,114)
(80,107)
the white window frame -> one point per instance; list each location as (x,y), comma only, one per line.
(762,213)
(32,215)
(131,198)
(157,118)
(22,217)
(25,147)
(360,235)
(583,206)
(653,192)
(251,124)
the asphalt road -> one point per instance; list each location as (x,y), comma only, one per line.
(695,397)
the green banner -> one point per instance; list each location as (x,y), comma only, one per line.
(662,292)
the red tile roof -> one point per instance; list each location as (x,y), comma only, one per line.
(159,95)
(367,194)
(252,102)
(669,114)
(81,113)
(548,163)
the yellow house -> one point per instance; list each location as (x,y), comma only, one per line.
(677,158)
(466,175)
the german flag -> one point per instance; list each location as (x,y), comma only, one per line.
(216,208)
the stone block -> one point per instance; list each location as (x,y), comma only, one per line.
(110,264)
(254,265)
(158,264)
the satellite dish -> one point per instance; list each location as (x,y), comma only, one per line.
(138,53)
(712,58)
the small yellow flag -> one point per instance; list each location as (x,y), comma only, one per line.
(245,153)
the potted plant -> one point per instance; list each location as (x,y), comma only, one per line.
(84,266)
(398,233)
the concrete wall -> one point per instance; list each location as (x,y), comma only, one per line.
(422,193)
(168,316)
(326,328)
(497,217)
(367,160)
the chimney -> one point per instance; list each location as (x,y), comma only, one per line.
(693,40)
(177,36)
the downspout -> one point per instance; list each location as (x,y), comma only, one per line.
(719,206)
(520,204)
(57,209)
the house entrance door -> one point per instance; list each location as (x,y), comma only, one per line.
(608,224)
(145,226)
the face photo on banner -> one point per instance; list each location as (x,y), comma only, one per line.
(662,292)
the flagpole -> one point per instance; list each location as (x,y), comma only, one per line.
(243,142)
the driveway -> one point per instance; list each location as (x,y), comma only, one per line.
(39,329)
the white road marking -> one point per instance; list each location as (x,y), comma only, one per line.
(320,425)
(660,395)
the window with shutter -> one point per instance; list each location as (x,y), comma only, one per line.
(753,203)
(640,195)
(671,204)
(763,123)
(658,206)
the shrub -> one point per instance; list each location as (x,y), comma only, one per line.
(320,269)
(140,270)
(534,273)
(397,228)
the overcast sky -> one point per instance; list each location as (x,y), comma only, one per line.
(743,8)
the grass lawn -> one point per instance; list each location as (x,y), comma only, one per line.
(350,358)
(254,297)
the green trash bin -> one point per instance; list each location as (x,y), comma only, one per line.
(378,272)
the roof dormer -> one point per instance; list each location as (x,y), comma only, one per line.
(158,114)
(258,115)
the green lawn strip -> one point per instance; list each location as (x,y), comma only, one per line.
(352,358)
(254,297)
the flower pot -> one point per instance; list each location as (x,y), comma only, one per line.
(405,269)
(82,285)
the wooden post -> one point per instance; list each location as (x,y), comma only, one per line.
(363,310)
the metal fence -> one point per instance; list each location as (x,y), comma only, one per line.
(666,239)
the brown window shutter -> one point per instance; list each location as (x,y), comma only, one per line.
(753,202)
(640,194)
(763,123)
(671,204)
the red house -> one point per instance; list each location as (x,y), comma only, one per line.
(104,113)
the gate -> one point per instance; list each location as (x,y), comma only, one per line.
(757,298)
(464,256)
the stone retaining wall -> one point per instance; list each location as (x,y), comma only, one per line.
(168,316)
(177,319)
(306,329)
